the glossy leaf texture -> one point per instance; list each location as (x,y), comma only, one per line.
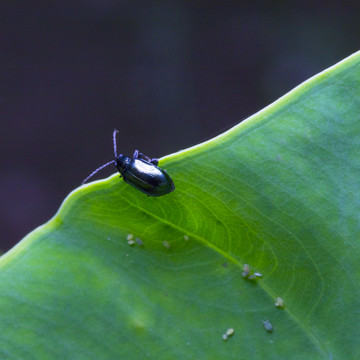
(279,192)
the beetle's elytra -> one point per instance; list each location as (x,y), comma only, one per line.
(141,172)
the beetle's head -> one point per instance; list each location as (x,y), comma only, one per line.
(122,162)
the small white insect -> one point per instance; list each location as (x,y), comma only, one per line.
(280,303)
(230,332)
(249,274)
(246,271)
(267,325)
(166,244)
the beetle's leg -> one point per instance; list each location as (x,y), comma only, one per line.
(116,165)
(146,158)
(150,160)
(154,161)
(139,155)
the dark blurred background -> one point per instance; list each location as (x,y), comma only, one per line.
(167,74)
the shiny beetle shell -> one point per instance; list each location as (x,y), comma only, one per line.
(144,176)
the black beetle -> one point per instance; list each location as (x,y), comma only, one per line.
(141,172)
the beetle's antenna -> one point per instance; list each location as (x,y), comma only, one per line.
(98,169)
(114,140)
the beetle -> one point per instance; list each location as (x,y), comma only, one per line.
(141,172)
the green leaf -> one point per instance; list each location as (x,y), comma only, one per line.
(279,192)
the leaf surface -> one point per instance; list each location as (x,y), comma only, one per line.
(279,192)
